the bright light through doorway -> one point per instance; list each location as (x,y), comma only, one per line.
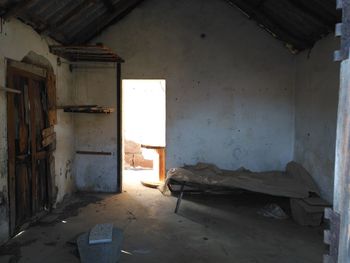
(144,122)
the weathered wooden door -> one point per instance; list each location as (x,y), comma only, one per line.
(29,154)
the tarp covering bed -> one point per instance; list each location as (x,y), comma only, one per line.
(294,182)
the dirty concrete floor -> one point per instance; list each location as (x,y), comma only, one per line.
(207,229)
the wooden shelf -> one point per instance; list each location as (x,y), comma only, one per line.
(86,53)
(87,109)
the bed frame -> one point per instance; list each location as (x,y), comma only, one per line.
(193,188)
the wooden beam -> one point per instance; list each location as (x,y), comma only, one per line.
(18,8)
(96,26)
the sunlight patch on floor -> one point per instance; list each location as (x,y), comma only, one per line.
(133,178)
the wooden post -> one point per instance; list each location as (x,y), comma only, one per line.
(161,153)
(119,128)
(342,163)
(340,242)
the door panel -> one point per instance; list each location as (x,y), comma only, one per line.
(28,159)
(22,161)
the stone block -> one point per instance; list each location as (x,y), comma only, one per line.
(132,147)
(128,160)
(140,161)
(308,211)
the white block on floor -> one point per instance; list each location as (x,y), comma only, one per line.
(100,253)
(101,233)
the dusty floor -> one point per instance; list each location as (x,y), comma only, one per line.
(207,229)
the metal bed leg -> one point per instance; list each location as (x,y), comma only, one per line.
(180,197)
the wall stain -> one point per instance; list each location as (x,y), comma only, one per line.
(68,168)
(236,153)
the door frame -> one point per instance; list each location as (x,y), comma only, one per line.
(161,151)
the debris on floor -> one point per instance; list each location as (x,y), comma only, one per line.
(151,184)
(273,211)
(308,211)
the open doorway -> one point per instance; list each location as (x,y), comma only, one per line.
(144,131)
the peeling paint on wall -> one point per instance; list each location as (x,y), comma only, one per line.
(13,47)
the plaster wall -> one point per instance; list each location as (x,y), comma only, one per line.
(230,85)
(96,132)
(16,41)
(316,103)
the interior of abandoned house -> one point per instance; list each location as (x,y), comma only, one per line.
(174,131)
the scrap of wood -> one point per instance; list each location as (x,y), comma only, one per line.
(48,131)
(88,109)
(10,90)
(52,114)
(75,106)
(51,97)
(49,140)
(93,153)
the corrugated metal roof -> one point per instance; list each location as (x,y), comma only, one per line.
(298,23)
(68,21)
